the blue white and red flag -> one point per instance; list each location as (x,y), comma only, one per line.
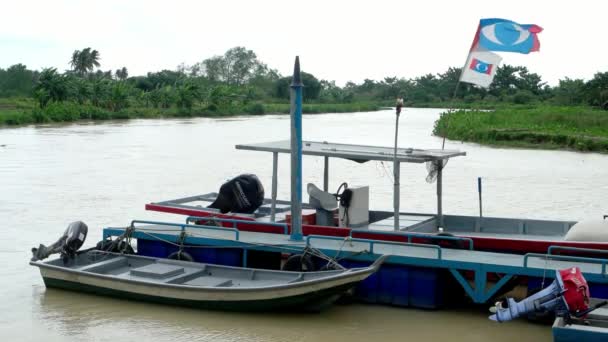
(480,68)
(506,35)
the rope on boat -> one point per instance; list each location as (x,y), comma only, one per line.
(307,250)
(542,284)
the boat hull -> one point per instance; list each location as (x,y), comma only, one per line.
(563,332)
(308,302)
(503,243)
(130,281)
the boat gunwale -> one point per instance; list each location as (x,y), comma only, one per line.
(346,274)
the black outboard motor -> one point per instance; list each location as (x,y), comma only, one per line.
(242,194)
(68,244)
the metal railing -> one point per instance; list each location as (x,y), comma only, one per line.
(411,236)
(235,222)
(372,243)
(184,226)
(602,262)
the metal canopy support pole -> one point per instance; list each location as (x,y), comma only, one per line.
(396,172)
(275,167)
(296,153)
(326,174)
(439,195)
(397,167)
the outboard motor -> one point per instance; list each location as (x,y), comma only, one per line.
(68,244)
(568,295)
(242,194)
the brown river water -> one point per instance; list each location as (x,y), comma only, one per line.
(104,173)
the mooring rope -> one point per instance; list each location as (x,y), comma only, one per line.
(286,247)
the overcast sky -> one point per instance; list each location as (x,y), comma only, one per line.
(336,40)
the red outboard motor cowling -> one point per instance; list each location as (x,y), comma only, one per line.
(568,294)
(576,291)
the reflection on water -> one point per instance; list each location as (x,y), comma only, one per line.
(90,317)
(104,173)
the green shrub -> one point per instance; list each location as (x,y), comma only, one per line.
(101,115)
(523,97)
(578,128)
(255,109)
(62,111)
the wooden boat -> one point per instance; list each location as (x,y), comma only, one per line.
(593,328)
(199,285)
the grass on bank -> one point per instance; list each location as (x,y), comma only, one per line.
(540,126)
(15,112)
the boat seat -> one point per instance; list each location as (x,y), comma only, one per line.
(320,199)
(206,281)
(157,271)
(105,265)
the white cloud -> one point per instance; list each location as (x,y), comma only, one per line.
(337,40)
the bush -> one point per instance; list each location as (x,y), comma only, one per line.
(472,98)
(62,111)
(16,118)
(101,115)
(523,97)
(255,109)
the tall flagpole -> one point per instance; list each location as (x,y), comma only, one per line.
(447,123)
(296,153)
(396,169)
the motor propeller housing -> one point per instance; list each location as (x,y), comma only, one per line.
(68,244)
(568,294)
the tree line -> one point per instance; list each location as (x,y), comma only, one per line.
(239,78)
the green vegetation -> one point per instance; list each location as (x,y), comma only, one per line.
(527,111)
(26,111)
(576,127)
(236,83)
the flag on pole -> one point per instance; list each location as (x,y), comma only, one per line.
(506,35)
(480,68)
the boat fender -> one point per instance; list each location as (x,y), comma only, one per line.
(111,246)
(591,230)
(448,243)
(185,256)
(299,263)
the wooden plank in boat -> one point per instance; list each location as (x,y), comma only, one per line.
(157,271)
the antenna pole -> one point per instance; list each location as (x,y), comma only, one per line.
(396,167)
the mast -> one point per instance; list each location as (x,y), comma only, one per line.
(396,168)
(296,153)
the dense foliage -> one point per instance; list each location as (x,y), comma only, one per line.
(239,78)
(527,111)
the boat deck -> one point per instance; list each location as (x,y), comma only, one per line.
(421,255)
(176,272)
(396,249)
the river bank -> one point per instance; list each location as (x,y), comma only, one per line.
(24,111)
(538,126)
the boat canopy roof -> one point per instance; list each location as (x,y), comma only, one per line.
(358,153)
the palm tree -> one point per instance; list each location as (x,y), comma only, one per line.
(84,61)
(51,86)
(122,74)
